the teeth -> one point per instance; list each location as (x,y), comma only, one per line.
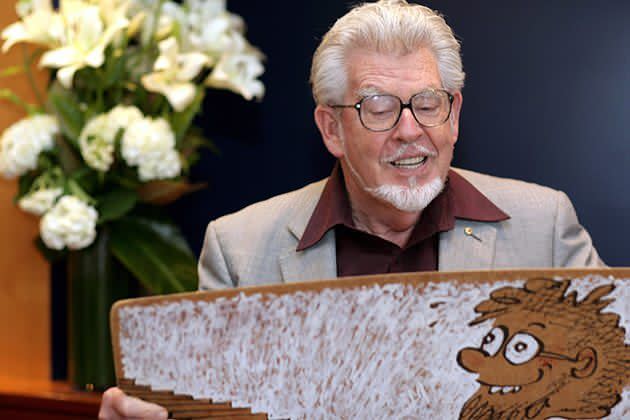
(504,389)
(409,161)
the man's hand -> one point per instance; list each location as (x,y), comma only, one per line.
(116,405)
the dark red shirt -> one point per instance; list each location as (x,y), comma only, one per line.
(360,253)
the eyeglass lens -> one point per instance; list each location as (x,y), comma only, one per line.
(381,112)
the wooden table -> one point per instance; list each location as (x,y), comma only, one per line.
(49,400)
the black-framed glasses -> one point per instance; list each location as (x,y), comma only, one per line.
(430,108)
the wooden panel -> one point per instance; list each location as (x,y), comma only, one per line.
(339,346)
(24,274)
(50,400)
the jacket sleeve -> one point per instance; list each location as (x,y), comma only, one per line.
(572,245)
(213,268)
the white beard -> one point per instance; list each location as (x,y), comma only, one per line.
(408,198)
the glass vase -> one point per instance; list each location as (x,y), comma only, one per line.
(95,281)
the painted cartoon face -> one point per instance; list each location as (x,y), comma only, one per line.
(548,354)
(521,363)
(521,357)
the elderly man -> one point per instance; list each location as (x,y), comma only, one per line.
(387,81)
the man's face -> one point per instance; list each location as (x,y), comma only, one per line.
(408,155)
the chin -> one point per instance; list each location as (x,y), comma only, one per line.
(412,198)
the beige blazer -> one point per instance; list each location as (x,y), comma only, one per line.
(257,244)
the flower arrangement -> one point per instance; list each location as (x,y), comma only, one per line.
(112,137)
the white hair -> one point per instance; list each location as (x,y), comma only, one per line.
(387,26)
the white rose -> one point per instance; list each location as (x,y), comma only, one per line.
(96,142)
(150,145)
(40,201)
(70,222)
(97,139)
(22,143)
(123,116)
(162,165)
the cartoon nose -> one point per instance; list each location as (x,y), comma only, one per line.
(471,359)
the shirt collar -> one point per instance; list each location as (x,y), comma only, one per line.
(459,200)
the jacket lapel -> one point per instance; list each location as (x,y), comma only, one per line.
(470,245)
(319,261)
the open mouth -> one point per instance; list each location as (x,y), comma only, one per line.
(509,389)
(409,163)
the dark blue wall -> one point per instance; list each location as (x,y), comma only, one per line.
(546,100)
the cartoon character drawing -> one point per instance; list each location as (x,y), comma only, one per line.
(547,355)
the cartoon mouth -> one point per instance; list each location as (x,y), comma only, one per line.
(508,389)
(409,163)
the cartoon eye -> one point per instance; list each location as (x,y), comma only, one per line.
(492,341)
(522,348)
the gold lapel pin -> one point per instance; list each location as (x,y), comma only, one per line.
(469,232)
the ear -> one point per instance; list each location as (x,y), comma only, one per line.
(329,127)
(456,109)
(586,363)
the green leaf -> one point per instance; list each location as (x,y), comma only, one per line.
(12,71)
(74,188)
(65,106)
(116,204)
(87,178)
(69,157)
(9,95)
(114,67)
(181,120)
(156,253)
(24,185)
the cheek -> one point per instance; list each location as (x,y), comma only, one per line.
(544,362)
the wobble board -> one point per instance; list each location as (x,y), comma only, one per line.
(509,344)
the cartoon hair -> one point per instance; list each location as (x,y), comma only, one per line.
(584,322)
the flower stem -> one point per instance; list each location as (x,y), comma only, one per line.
(27,61)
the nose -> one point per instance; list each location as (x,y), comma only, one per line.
(408,129)
(472,360)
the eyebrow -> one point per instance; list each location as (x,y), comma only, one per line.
(537,324)
(369,91)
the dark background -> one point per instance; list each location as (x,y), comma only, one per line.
(546,100)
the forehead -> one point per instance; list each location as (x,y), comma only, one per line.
(401,75)
(541,325)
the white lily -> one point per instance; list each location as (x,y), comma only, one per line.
(211,29)
(169,18)
(86,37)
(238,73)
(173,72)
(113,11)
(40,24)
(27,7)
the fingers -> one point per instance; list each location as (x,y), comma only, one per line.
(116,405)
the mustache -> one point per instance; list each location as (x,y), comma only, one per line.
(406,148)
